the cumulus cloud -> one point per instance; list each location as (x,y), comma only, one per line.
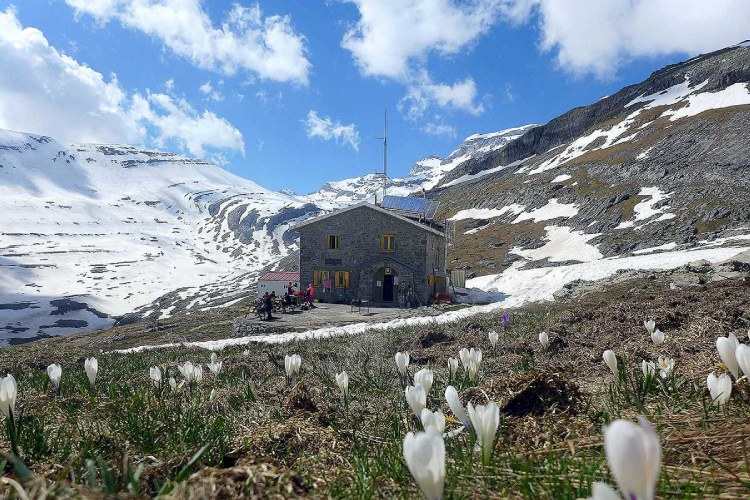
(45,91)
(394,38)
(327,129)
(422,92)
(596,37)
(175,120)
(210,92)
(268,47)
(391,35)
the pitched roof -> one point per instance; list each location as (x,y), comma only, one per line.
(373,207)
(280,276)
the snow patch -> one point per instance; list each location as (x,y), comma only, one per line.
(645,209)
(561,178)
(552,210)
(487,213)
(563,244)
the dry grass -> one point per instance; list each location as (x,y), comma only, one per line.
(269,439)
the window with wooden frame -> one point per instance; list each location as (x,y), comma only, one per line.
(333,242)
(388,242)
(317,278)
(342,279)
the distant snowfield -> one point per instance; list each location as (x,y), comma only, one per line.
(519,286)
(115,227)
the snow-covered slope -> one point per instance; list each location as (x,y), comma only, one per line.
(424,175)
(95,229)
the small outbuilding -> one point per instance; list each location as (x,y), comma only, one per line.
(392,253)
(277,281)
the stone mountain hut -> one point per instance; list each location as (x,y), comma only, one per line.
(392,253)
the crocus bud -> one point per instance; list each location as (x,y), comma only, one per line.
(402,362)
(342,380)
(727,348)
(634,457)
(416,398)
(424,378)
(54,372)
(610,358)
(155,373)
(720,387)
(544,340)
(485,419)
(424,453)
(8,394)
(454,403)
(91,365)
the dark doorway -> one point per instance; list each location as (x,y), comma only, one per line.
(388,288)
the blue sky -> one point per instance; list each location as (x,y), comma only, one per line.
(299,99)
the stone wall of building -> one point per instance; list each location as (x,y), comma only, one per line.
(417,252)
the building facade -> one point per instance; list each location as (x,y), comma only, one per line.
(366,252)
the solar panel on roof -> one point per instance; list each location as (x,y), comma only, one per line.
(426,208)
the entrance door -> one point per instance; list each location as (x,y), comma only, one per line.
(388,288)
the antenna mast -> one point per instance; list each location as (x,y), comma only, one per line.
(385,154)
(385,151)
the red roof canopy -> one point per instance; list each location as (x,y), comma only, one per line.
(284,276)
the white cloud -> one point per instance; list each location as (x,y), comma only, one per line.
(325,128)
(210,92)
(597,36)
(392,35)
(394,38)
(176,120)
(47,92)
(268,47)
(439,128)
(423,92)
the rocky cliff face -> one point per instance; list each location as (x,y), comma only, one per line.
(659,166)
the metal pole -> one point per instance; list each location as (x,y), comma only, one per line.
(385,153)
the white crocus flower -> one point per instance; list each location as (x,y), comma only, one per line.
(342,380)
(493,336)
(8,394)
(416,398)
(658,337)
(432,420)
(648,368)
(471,359)
(452,367)
(454,403)
(424,378)
(215,366)
(155,373)
(720,387)
(91,365)
(402,362)
(742,354)
(54,372)
(424,453)
(484,419)
(172,383)
(610,358)
(544,340)
(198,373)
(650,325)
(666,365)
(727,347)
(292,364)
(634,458)
(186,370)
(465,358)
(212,395)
